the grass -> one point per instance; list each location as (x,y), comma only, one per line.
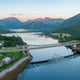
(6,48)
(23,31)
(62,37)
(18,55)
(5,54)
(58,34)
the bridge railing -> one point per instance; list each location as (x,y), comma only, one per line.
(28,46)
(56,44)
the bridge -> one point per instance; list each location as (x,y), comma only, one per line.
(33,47)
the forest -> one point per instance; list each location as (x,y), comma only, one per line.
(11,41)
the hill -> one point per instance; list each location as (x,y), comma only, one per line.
(71,25)
(11,23)
(44,25)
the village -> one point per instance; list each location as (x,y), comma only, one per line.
(7,58)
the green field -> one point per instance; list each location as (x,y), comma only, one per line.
(15,54)
(12,48)
(23,31)
(60,34)
(62,37)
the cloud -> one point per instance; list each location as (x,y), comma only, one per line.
(17,14)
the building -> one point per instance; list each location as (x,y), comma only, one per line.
(7,60)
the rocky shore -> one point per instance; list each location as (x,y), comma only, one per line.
(12,72)
(75,50)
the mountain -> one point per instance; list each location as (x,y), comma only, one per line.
(71,25)
(11,23)
(43,25)
(39,19)
(40,24)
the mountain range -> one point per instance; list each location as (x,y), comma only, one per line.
(39,19)
(45,25)
(11,23)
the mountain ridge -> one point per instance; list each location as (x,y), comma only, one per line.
(10,22)
(71,25)
(44,25)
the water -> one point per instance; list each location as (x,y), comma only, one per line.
(64,69)
(67,69)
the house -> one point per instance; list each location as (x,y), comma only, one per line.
(7,60)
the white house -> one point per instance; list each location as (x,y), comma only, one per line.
(7,60)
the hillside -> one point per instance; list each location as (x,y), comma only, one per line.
(71,25)
(44,25)
(11,23)
(4,31)
(11,41)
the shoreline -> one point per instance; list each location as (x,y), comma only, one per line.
(12,72)
(75,50)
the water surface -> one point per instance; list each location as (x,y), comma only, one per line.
(64,69)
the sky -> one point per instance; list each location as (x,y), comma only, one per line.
(31,9)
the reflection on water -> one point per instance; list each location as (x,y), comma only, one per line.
(33,38)
(48,53)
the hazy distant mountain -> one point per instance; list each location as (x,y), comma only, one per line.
(40,24)
(11,23)
(39,19)
(44,25)
(71,25)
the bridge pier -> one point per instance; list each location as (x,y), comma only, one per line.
(75,46)
(24,49)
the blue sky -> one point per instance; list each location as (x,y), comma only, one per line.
(29,9)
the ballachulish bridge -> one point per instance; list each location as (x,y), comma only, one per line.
(33,47)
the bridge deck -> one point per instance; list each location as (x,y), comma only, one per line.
(32,47)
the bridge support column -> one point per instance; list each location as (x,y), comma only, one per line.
(74,46)
(24,50)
